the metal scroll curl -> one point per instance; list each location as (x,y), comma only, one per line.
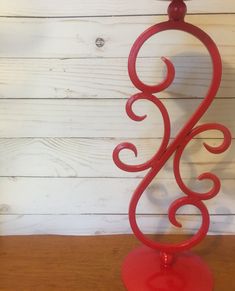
(177,146)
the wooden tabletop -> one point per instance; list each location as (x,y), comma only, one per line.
(92,263)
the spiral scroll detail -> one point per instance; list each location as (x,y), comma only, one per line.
(177,146)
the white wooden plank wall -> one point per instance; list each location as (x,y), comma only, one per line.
(62,100)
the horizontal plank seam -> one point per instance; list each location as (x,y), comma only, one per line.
(95,178)
(103,138)
(105,99)
(95,57)
(108,214)
(109,15)
(98,138)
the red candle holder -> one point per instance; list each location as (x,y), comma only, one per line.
(159,266)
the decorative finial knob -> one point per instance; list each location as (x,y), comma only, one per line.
(177,10)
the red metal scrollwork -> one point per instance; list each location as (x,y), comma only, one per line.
(176,12)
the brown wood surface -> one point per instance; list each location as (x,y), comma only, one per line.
(92,263)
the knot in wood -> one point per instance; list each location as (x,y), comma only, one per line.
(100,42)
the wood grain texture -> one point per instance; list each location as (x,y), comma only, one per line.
(79,157)
(102,118)
(76,37)
(67,8)
(84,196)
(44,263)
(62,113)
(108,78)
(106,224)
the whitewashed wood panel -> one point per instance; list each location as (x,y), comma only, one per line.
(75,137)
(108,78)
(102,118)
(75,157)
(110,196)
(76,37)
(106,224)
(54,8)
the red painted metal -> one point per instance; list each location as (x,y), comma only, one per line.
(143,271)
(176,11)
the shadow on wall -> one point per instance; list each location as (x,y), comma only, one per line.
(192,81)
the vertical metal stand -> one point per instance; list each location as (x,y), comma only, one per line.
(158,266)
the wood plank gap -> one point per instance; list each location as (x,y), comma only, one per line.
(94,178)
(106,99)
(72,177)
(110,214)
(100,138)
(107,16)
(97,57)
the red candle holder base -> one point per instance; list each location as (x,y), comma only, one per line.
(142,270)
(153,267)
